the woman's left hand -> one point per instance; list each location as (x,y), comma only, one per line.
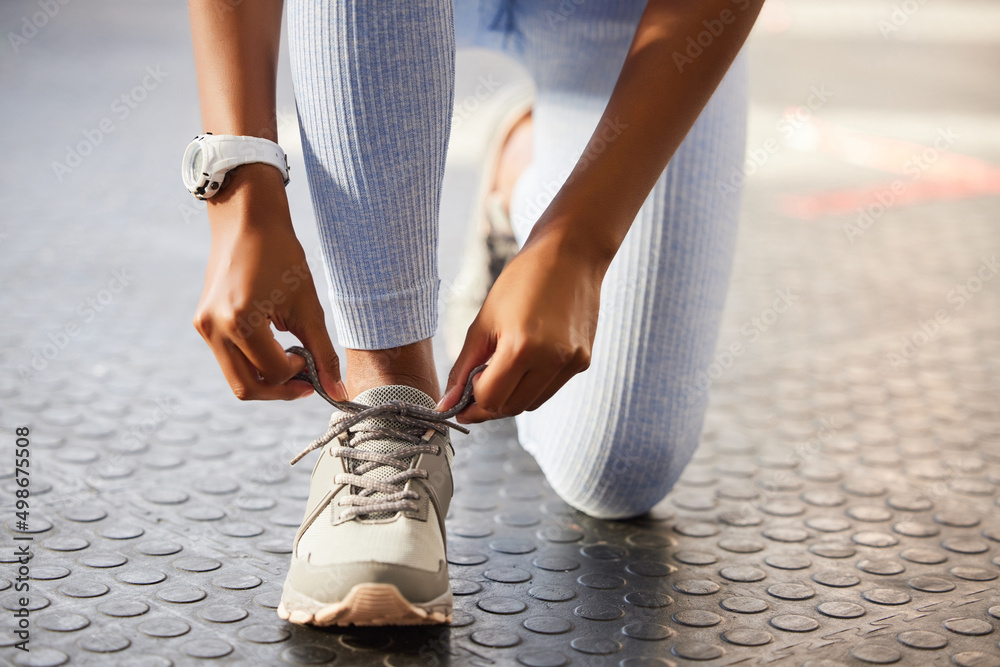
(536,328)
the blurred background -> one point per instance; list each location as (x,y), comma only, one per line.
(872,194)
(847,99)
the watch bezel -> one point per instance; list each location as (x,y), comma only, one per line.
(199,188)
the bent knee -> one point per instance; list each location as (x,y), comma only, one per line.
(617,471)
(628,483)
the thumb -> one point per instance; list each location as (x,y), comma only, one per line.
(478,348)
(316,339)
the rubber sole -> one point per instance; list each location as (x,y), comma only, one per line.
(365,604)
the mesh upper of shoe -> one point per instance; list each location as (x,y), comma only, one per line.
(376,396)
(417,544)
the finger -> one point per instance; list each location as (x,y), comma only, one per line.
(494,385)
(264,353)
(475,415)
(531,385)
(312,333)
(528,390)
(243,377)
(478,348)
(255,388)
(554,386)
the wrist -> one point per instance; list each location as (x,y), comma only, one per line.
(253,197)
(573,238)
(245,127)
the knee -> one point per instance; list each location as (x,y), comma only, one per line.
(625,487)
(627,482)
(617,468)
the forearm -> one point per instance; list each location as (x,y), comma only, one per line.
(656,100)
(236,56)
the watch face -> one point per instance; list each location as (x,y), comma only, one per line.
(195,163)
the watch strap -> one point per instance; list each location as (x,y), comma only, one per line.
(239,150)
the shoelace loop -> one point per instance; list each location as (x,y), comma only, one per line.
(413,420)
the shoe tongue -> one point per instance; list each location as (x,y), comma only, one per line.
(394,392)
(378,396)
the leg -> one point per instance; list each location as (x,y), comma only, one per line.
(374,85)
(614,440)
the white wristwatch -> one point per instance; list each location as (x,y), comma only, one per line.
(209,158)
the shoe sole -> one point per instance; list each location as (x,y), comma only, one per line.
(365,604)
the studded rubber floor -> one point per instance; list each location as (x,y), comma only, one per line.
(843,508)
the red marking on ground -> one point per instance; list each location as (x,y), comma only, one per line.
(926,173)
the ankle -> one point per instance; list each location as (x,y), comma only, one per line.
(412,365)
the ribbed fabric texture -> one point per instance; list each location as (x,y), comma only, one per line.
(615,439)
(374,84)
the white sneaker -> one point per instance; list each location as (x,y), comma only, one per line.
(371,548)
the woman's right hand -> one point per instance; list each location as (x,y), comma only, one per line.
(257,275)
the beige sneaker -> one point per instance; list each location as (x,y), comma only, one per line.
(371,548)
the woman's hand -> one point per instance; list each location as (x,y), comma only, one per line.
(536,327)
(257,275)
(540,317)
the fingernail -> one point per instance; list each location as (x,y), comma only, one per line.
(444,398)
(342,389)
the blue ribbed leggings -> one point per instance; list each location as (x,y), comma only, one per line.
(374,88)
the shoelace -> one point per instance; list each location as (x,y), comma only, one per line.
(414,421)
